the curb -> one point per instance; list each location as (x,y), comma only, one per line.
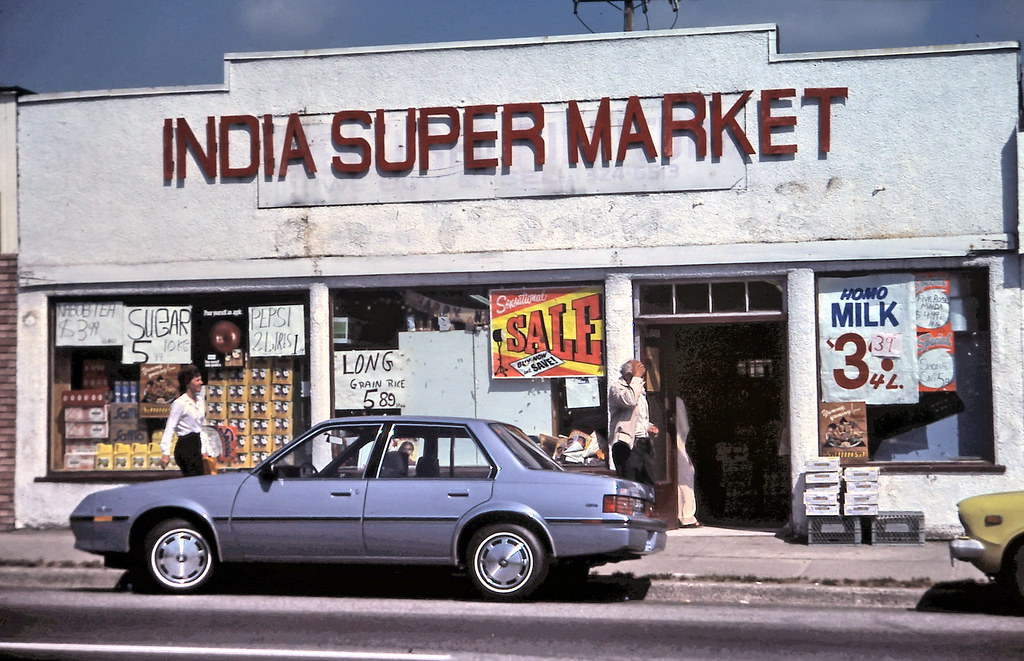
(684,591)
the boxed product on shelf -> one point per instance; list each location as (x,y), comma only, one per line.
(122,456)
(79,460)
(259,410)
(216,391)
(281,440)
(281,391)
(241,424)
(260,442)
(259,425)
(821,477)
(217,411)
(860,487)
(282,425)
(140,456)
(822,510)
(860,498)
(85,413)
(91,397)
(104,456)
(95,430)
(859,510)
(283,371)
(259,374)
(154,454)
(259,392)
(282,409)
(861,474)
(237,392)
(814,497)
(821,464)
(238,409)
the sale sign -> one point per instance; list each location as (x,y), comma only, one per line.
(867,339)
(546,333)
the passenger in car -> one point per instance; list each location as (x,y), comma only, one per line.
(396,463)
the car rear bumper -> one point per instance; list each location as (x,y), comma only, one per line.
(609,539)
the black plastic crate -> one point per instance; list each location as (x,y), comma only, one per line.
(894,528)
(836,530)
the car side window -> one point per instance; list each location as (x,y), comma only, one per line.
(333,452)
(434,451)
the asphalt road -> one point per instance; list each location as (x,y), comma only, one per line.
(114,625)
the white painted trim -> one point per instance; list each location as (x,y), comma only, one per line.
(58,275)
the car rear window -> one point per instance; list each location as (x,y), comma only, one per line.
(525,450)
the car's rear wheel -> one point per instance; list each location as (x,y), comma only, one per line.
(506,562)
(178,557)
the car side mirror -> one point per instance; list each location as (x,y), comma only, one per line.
(266,473)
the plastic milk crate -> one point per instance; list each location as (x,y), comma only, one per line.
(837,530)
(892,528)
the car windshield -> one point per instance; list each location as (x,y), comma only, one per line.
(525,450)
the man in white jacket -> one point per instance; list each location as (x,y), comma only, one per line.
(629,425)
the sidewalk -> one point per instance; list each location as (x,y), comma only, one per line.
(707,565)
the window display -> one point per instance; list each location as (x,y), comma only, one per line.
(905,367)
(111,396)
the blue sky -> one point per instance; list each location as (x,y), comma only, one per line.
(69,45)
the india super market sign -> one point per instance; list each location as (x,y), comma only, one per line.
(545,333)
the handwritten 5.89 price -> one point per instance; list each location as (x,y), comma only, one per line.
(857,350)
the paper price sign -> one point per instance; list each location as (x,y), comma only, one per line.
(370,379)
(862,322)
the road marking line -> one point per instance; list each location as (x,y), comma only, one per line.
(219,651)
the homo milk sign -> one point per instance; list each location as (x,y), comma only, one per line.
(867,339)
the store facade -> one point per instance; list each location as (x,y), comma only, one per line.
(816,254)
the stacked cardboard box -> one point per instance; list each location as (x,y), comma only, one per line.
(85,425)
(821,486)
(860,491)
(255,402)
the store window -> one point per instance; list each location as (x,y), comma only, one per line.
(741,298)
(905,367)
(530,356)
(115,364)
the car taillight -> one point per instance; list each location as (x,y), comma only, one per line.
(626,505)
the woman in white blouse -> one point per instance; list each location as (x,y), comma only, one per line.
(187,417)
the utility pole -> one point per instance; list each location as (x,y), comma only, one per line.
(627,16)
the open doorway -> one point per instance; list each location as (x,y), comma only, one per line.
(724,388)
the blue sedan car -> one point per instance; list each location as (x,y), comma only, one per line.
(466,493)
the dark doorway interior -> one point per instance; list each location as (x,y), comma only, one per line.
(731,378)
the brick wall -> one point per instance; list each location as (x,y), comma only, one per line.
(8,384)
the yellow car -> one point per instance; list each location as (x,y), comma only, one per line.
(994,539)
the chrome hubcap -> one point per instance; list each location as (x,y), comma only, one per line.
(504,561)
(181,558)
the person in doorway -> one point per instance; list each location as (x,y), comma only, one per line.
(186,419)
(685,474)
(630,428)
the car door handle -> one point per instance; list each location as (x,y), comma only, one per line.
(458,494)
(341,493)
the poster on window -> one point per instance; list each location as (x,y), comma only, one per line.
(157,334)
(547,333)
(371,379)
(867,339)
(843,431)
(935,350)
(89,324)
(277,330)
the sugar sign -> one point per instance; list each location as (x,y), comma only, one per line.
(157,334)
(277,330)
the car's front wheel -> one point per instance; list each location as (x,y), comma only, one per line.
(178,557)
(1012,578)
(506,562)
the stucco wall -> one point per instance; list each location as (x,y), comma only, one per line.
(923,164)
(923,147)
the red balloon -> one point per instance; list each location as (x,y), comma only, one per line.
(225,336)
